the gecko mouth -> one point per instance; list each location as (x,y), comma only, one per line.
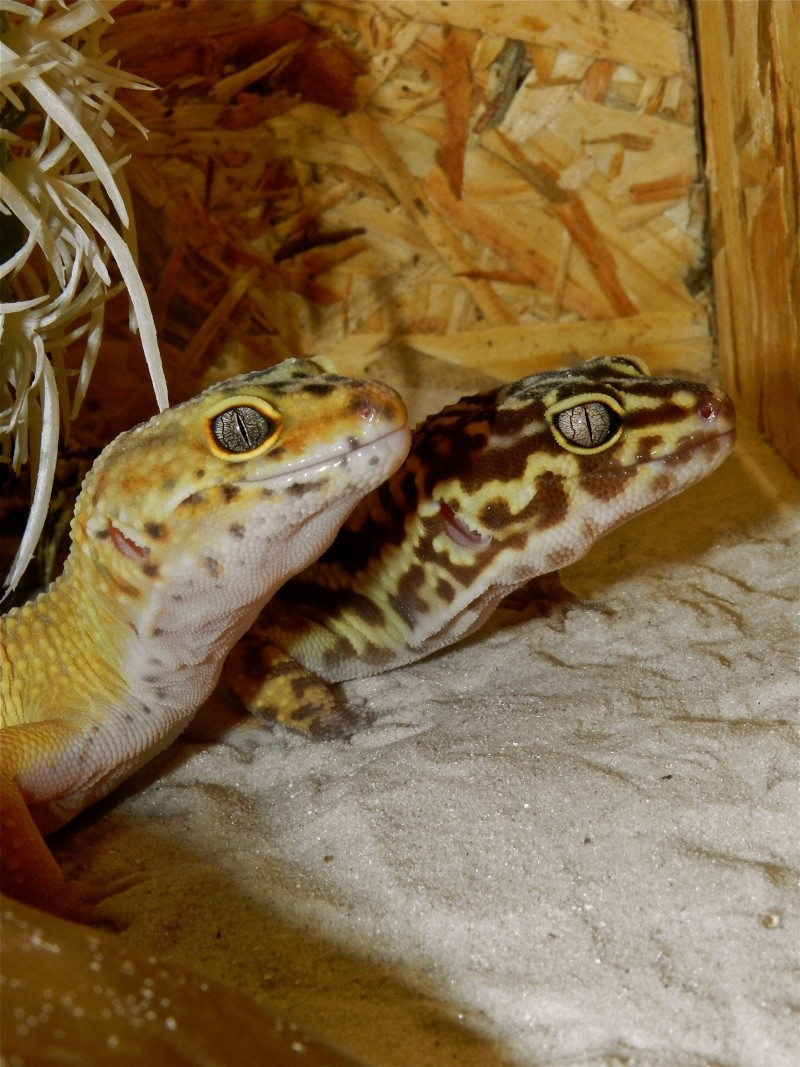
(391,440)
(458,531)
(720,443)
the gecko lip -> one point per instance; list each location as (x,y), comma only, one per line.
(722,442)
(393,438)
(458,531)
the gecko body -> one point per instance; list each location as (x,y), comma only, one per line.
(497,489)
(184,528)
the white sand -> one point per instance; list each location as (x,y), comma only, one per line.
(570,840)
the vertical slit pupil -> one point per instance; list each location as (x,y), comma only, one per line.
(243,428)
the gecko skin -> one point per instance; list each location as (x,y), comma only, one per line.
(497,489)
(184,528)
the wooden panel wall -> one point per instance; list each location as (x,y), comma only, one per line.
(505,186)
(750,83)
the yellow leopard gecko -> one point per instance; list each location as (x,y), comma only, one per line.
(184,528)
(497,489)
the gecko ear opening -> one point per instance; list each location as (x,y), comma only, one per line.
(458,531)
(126,545)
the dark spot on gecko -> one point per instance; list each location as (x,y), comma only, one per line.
(548,506)
(662,485)
(445,591)
(249,659)
(496,514)
(230,492)
(161,692)
(646,446)
(150,569)
(301,488)
(156,631)
(343,649)
(353,442)
(604,478)
(320,603)
(328,728)
(318,388)
(406,601)
(295,714)
(236,530)
(460,573)
(377,656)
(199,474)
(178,598)
(147,710)
(193,500)
(267,711)
(256,375)
(288,384)
(508,463)
(664,414)
(212,566)
(260,666)
(552,500)
(125,588)
(157,530)
(302,685)
(401,608)
(102,535)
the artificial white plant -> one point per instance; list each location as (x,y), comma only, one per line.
(65,220)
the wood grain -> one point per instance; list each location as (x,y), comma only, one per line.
(750,70)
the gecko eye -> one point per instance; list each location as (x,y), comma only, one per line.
(591,424)
(241,429)
(241,426)
(587,425)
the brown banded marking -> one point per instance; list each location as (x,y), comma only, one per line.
(156,530)
(497,489)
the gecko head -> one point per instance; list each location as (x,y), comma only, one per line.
(215,502)
(524,479)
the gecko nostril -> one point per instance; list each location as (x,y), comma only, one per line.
(378,407)
(707,411)
(364,408)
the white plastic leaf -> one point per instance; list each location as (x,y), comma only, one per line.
(136,291)
(55,107)
(32,221)
(48,453)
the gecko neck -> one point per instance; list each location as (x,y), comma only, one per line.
(69,618)
(342,624)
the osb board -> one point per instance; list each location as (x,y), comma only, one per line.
(507,186)
(750,68)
